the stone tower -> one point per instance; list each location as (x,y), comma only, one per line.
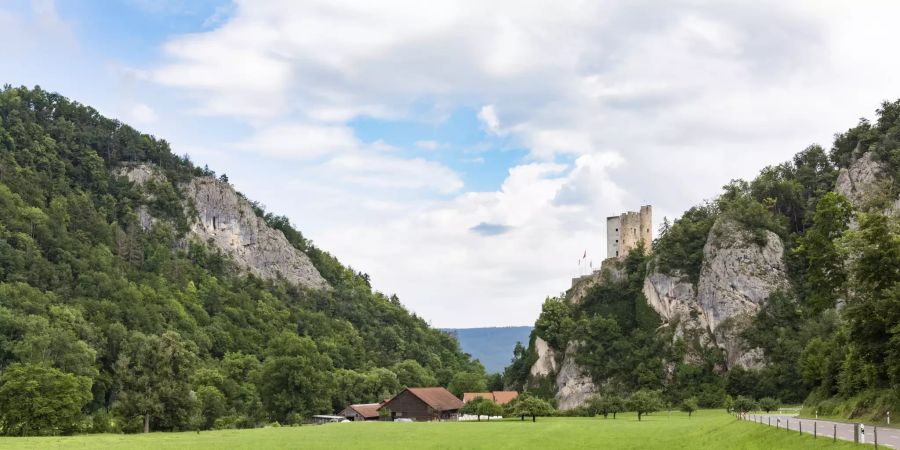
(625,231)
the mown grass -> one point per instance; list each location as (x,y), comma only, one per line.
(707,429)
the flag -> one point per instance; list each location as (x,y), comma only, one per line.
(585,255)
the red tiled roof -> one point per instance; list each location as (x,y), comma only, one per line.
(437,398)
(504,397)
(367,410)
(498,397)
(469,396)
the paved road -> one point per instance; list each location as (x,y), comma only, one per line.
(887,437)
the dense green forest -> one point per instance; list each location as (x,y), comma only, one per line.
(106,327)
(830,341)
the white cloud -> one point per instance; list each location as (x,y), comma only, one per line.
(384,171)
(488,116)
(301,140)
(618,104)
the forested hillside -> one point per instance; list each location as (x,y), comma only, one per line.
(115,323)
(786,286)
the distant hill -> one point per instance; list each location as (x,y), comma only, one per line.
(493,346)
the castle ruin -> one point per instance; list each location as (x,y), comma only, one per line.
(627,230)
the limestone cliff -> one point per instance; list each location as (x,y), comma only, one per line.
(738,275)
(865,184)
(141,174)
(227,221)
(673,297)
(224,219)
(573,387)
(860,181)
(546,361)
(741,269)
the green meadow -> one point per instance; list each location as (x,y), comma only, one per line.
(706,429)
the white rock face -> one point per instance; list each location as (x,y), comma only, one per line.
(228,222)
(546,362)
(671,297)
(674,299)
(737,277)
(860,181)
(572,386)
(140,174)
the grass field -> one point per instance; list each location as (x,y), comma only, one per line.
(707,429)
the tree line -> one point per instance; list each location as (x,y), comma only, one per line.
(127,329)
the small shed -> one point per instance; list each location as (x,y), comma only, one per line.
(362,411)
(320,419)
(423,404)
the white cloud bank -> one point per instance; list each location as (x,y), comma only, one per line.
(619,104)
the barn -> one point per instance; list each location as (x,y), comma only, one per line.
(423,404)
(360,412)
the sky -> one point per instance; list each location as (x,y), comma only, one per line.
(465,154)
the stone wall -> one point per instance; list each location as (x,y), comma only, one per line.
(626,231)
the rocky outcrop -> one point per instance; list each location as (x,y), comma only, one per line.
(674,299)
(227,221)
(573,387)
(738,275)
(741,269)
(546,362)
(140,174)
(861,181)
(611,269)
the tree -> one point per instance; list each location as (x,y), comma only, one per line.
(491,409)
(295,379)
(39,400)
(532,406)
(212,405)
(481,406)
(825,274)
(555,322)
(744,404)
(466,382)
(689,405)
(152,373)
(516,373)
(606,405)
(769,404)
(411,374)
(495,382)
(645,402)
(614,404)
(873,309)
